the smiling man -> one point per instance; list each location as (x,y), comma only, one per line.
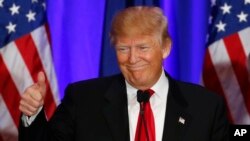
(140,60)
(142,104)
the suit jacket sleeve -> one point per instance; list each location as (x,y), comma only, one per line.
(60,127)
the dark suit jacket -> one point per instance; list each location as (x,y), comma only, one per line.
(96,110)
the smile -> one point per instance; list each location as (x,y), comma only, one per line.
(137,67)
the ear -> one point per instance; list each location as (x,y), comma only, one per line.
(166,48)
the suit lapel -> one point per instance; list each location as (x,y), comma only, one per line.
(115,109)
(176,118)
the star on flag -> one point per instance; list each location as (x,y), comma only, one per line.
(226,8)
(14,9)
(247,2)
(31,16)
(11,27)
(221,26)
(1,3)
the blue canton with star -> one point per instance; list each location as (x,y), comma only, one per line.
(227,17)
(19,17)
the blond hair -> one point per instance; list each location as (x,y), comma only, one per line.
(139,20)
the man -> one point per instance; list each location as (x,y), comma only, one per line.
(106,109)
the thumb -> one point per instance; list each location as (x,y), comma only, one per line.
(41,82)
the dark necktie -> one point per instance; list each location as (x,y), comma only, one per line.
(145,130)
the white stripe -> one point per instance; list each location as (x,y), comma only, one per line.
(16,67)
(41,42)
(8,130)
(244,37)
(230,85)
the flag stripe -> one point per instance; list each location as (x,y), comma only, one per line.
(48,33)
(29,54)
(9,92)
(7,128)
(16,67)
(31,58)
(244,37)
(228,82)
(212,82)
(42,44)
(238,60)
(15,63)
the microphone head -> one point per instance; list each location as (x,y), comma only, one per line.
(142,96)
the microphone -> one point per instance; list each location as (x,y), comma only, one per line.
(142,98)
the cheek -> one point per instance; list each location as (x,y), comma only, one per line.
(122,60)
(156,63)
(155,58)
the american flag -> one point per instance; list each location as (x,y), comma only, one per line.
(24,51)
(226,66)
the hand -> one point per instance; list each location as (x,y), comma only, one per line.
(33,97)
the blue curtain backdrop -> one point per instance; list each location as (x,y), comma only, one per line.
(79,32)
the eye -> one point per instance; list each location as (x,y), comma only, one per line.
(144,48)
(122,49)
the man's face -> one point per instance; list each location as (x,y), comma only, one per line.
(140,59)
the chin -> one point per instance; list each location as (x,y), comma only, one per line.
(140,81)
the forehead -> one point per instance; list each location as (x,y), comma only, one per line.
(145,39)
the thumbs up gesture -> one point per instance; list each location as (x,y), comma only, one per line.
(33,97)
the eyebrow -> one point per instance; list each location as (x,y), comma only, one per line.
(140,44)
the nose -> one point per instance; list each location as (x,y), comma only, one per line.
(133,58)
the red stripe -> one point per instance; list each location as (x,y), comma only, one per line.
(31,58)
(211,81)
(1,138)
(239,63)
(9,92)
(48,33)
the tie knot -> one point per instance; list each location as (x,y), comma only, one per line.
(143,96)
(150,92)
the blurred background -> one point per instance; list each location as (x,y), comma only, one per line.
(68,40)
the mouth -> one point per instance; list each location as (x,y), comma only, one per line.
(136,67)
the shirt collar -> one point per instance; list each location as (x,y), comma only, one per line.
(161,86)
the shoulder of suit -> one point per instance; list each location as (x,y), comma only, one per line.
(90,89)
(196,90)
(188,89)
(95,82)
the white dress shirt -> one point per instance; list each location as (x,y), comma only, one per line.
(158,102)
(28,120)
